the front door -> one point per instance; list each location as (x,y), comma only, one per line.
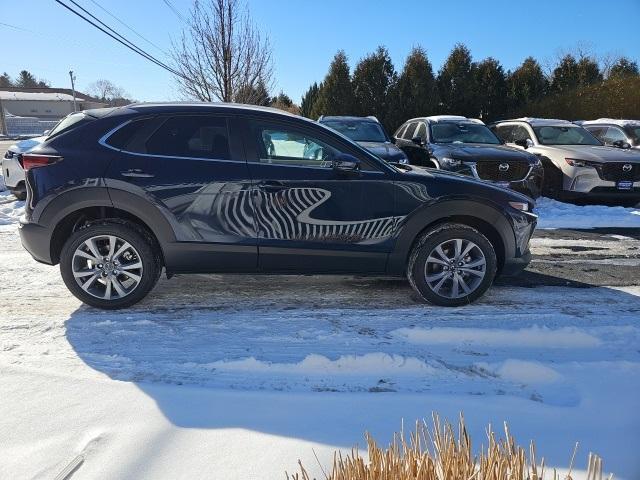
(310,216)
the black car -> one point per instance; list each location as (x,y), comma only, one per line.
(214,188)
(467,146)
(368,133)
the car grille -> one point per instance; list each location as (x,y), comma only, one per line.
(495,170)
(614,171)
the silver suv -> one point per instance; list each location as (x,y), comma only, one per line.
(576,164)
(617,133)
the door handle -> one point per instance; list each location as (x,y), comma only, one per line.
(271,186)
(136,173)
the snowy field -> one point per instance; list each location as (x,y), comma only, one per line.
(240,376)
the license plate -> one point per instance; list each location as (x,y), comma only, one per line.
(624,185)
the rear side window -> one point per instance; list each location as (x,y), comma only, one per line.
(123,136)
(195,136)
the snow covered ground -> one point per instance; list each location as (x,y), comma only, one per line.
(554,214)
(240,376)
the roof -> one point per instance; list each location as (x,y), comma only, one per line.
(160,106)
(448,118)
(51,97)
(369,118)
(64,91)
(547,122)
(612,121)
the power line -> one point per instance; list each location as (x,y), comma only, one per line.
(175,10)
(122,40)
(126,26)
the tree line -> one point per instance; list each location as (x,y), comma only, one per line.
(579,83)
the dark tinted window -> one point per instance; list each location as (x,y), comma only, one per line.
(520,133)
(451,132)
(504,132)
(358,130)
(196,136)
(123,136)
(409,132)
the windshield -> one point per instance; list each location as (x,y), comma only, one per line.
(66,123)
(561,135)
(358,131)
(451,132)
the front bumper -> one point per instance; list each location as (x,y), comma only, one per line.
(590,181)
(513,266)
(36,240)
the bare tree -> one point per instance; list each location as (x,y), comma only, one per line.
(221,55)
(109,93)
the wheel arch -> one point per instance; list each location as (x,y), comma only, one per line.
(487,219)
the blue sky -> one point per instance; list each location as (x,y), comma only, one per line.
(48,40)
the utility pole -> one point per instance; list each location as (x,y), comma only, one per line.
(73,89)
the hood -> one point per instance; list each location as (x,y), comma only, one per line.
(385,150)
(26,145)
(596,153)
(480,152)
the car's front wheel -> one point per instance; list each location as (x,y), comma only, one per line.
(109,264)
(452,265)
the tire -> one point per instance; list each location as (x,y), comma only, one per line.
(76,260)
(19,194)
(446,236)
(552,185)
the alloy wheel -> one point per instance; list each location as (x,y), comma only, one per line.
(455,268)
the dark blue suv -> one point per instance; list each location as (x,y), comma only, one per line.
(121,193)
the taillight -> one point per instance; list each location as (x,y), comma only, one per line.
(33,161)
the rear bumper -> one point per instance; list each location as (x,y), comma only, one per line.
(36,240)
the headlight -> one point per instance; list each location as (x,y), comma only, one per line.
(451,162)
(574,162)
(403,160)
(522,206)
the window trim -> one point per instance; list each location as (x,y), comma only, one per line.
(103,140)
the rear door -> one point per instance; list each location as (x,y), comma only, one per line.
(195,172)
(311,217)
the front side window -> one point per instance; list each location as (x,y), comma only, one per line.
(285,146)
(505,132)
(520,133)
(422,132)
(409,133)
(400,131)
(192,136)
(564,135)
(452,132)
(614,134)
(358,131)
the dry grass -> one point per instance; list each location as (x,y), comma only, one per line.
(437,453)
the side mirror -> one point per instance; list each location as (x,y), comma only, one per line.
(524,143)
(417,140)
(621,144)
(345,163)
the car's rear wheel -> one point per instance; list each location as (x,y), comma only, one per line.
(20,192)
(452,265)
(109,265)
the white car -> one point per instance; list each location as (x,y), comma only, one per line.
(617,133)
(576,164)
(12,168)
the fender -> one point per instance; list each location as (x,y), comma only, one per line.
(429,213)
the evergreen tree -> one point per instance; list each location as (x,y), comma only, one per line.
(492,89)
(26,80)
(374,79)
(622,68)
(416,92)
(525,84)
(457,84)
(588,72)
(5,80)
(566,76)
(308,100)
(253,95)
(336,95)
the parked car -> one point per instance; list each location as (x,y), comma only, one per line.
(576,164)
(467,146)
(228,188)
(615,133)
(12,168)
(369,133)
